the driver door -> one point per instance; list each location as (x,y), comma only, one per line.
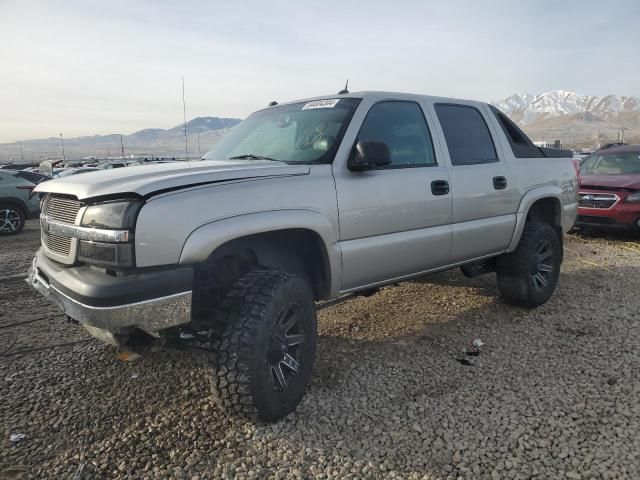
(393,224)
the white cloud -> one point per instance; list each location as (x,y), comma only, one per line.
(100,67)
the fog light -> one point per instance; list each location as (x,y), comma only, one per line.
(107,254)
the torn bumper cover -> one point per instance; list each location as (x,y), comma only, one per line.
(110,305)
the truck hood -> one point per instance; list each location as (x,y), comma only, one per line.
(148,179)
(611,182)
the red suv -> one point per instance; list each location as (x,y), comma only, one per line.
(610,188)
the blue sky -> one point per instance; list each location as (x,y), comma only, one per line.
(96,67)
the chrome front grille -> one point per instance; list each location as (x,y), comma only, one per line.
(603,201)
(61,209)
(57,244)
(64,210)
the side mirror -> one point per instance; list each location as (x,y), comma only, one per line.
(369,154)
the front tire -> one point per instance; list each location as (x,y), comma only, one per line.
(529,276)
(264,339)
(12,220)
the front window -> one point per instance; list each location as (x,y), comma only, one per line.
(305,132)
(401,125)
(611,164)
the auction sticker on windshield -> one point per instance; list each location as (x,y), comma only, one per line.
(330,103)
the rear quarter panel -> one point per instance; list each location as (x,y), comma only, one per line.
(548,177)
(538,178)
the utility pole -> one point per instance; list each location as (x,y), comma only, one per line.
(21,153)
(184,113)
(198,142)
(108,152)
(122,147)
(62,142)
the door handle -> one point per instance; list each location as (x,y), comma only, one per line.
(499,183)
(440,187)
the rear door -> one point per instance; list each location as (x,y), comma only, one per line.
(485,199)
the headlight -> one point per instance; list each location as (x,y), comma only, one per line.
(634,197)
(111,215)
(113,223)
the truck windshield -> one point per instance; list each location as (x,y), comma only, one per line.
(611,164)
(305,132)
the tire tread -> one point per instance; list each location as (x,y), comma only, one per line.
(235,329)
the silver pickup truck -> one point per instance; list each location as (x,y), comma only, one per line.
(301,203)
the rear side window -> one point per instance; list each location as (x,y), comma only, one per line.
(521,145)
(467,135)
(402,126)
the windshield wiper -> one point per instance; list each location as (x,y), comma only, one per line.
(251,156)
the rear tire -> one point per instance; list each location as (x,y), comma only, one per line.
(529,276)
(264,341)
(12,219)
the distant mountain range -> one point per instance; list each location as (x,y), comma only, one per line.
(576,120)
(148,142)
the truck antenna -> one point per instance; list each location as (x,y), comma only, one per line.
(345,89)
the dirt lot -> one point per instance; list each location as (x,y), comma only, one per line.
(554,393)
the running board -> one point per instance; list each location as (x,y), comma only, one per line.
(363,293)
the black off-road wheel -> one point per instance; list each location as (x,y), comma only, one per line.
(529,276)
(12,219)
(264,342)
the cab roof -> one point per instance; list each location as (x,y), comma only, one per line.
(381,95)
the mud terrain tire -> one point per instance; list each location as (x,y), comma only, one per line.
(264,342)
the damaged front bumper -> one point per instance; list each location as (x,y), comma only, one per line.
(110,307)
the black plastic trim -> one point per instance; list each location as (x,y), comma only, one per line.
(520,150)
(602,222)
(556,152)
(95,288)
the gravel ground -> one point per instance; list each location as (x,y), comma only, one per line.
(553,394)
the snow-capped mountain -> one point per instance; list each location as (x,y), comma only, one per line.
(525,108)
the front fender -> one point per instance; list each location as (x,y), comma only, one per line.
(207,238)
